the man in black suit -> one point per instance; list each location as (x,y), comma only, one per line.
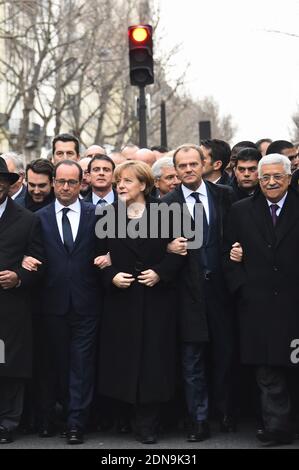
(71,298)
(20,235)
(205,309)
(265,284)
(245,180)
(216,158)
(39,177)
(101,168)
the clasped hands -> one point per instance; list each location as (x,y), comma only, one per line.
(148,278)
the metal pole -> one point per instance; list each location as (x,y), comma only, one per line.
(142,118)
(163,125)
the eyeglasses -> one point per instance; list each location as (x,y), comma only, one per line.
(277,177)
(62,182)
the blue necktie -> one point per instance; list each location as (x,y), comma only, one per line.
(205,221)
(102,202)
(67,230)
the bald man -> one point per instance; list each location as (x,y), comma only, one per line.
(93,150)
(145,155)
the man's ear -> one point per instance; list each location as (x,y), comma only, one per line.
(217,165)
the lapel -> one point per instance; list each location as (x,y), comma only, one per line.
(9,216)
(288,216)
(85,216)
(261,214)
(52,224)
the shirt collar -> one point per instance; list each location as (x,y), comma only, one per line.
(17,193)
(3,206)
(109,198)
(201,190)
(73,207)
(279,203)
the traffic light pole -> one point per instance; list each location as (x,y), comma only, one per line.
(163,125)
(142,118)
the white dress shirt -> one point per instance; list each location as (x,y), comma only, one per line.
(190,201)
(17,193)
(279,203)
(3,207)
(109,198)
(73,215)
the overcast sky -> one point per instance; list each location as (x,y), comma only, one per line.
(252,73)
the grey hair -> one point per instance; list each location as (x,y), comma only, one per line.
(275,158)
(18,160)
(164,162)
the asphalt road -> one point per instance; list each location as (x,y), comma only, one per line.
(243,439)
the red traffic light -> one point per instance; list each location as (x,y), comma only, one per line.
(141,54)
(139,34)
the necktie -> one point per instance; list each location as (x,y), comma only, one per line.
(205,222)
(67,230)
(102,202)
(273,208)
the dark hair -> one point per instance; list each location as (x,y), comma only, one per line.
(69,163)
(261,141)
(220,150)
(66,138)
(248,154)
(99,156)
(185,148)
(278,146)
(41,166)
(160,148)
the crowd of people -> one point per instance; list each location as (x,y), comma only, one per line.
(106,321)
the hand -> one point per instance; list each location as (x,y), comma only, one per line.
(8,279)
(123,280)
(30,263)
(178,246)
(102,261)
(149,278)
(236,252)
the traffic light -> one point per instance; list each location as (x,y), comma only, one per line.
(141,55)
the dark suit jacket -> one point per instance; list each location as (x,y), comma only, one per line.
(71,277)
(193,322)
(21,195)
(266,282)
(20,234)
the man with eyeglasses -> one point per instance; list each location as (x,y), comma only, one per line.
(265,283)
(70,302)
(245,181)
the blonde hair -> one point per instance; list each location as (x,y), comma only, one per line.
(142,172)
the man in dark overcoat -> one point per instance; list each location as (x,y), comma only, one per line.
(265,283)
(20,235)
(205,310)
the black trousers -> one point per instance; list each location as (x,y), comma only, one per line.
(71,342)
(11,402)
(222,345)
(275,398)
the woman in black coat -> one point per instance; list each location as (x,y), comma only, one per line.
(138,328)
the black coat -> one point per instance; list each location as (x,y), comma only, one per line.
(138,327)
(266,282)
(192,315)
(20,234)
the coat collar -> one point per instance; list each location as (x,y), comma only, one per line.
(287,218)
